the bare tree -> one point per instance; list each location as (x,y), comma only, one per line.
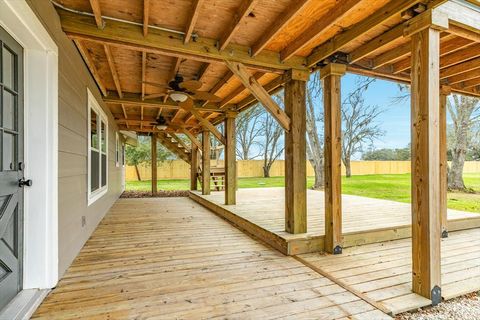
(358,123)
(272,145)
(465,113)
(249,129)
(314,141)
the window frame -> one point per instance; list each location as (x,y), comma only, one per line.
(117,150)
(93,105)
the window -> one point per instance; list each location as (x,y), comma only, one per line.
(117,150)
(97,150)
(123,154)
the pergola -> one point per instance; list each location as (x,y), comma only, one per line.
(244,51)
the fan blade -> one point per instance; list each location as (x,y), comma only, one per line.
(154,96)
(187,104)
(158,85)
(207,96)
(190,85)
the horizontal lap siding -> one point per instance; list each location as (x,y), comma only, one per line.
(73,80)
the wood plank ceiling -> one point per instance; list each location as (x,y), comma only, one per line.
(268,36)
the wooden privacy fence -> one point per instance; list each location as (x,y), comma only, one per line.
(179,169)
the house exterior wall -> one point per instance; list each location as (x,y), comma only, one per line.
(73,81)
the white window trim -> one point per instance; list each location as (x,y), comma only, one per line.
(40,264)
(101,191)
(117,150)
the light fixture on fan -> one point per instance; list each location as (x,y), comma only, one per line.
(161,123)
(178,96)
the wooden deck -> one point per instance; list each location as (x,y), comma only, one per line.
(260,212)
(170,258)
(383,272)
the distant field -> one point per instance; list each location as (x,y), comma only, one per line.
(394,187)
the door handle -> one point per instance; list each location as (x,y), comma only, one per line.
(22,182)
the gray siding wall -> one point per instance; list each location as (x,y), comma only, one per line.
(73,80)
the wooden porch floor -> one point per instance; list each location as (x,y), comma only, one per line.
(170,258)
(383,272)
(260,211)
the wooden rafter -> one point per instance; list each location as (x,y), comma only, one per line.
(460,68)
(146,15)
(471,83)
(159,112)
(124,113)
(113,70)
(141,117)
(91,66)
(203,70)
(97,13)
(469,75)
(144,72)
(246,6)
(125,35)
(270,87)
(180,141)
(260,93)
(192,20)
(241,88)
(219,85)
(192,138)
(339,11)
(338,42)
(464,33)
(392,56)
(287,16)
(206,123)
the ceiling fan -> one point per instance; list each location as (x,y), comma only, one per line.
(182,91)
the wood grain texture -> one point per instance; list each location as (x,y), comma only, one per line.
(444,92)
(425,162)
(154,161)
(230,159)
(194,168)
(205,162)
(295,157)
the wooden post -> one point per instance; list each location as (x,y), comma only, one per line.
(426,224)
(331,75)
(444,92)
(154,162)
(295,153)
(205,162)
(194,167)
(230,158)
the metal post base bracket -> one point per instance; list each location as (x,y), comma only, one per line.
(436,295)
(444,234)
(337,250)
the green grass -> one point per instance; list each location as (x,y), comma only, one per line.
(394,187)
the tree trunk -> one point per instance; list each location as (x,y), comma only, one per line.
(318,170)
(266,170)
(455,174)
(139,178)
(348,169)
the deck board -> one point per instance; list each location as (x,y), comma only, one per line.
(171,258)
(383,271)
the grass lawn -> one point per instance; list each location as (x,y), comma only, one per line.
(394,187)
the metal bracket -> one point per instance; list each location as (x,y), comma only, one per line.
(436,295)
(337,250)
(445,234)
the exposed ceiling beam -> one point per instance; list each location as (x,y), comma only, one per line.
(392,55)
(206,123)
(97,13)
(269,87)
(464,33)
(144,72)
(180,141)
(338,42)
(241,88)
(338,11)
(91,66)
(260,93)
(192,20)
(471,83)
(113,70)
(192,138)
(202,71)
(219,85)
(136,100)
(125,35)
(472,74)
(280,22)
(146,15)
(460,68)
(246,6)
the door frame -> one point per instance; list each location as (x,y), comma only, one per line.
(40,257)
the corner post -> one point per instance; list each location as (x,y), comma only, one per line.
(332,102)
(444,92)
(230,158)
(426,201)
(194,167)
(205,162)
(295,153)
(154,162)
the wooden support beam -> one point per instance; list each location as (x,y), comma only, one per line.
(97,13)
(230,158)
(146,15)
(291,12)
(331,75)
(194,167)
(192,20)
(91,66)
(338,42)
(270,87)
(392,56)
(144,72)
(113,70)
(472,74)
(154,162)
(180,141)
(205,162)
(206,123)
(246,6)
(237,91)
(295,154)
(339,11)
(203,70)
(127,36)
(260,93)
(460,68)
(444,92)
(192,138)
(426,219)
